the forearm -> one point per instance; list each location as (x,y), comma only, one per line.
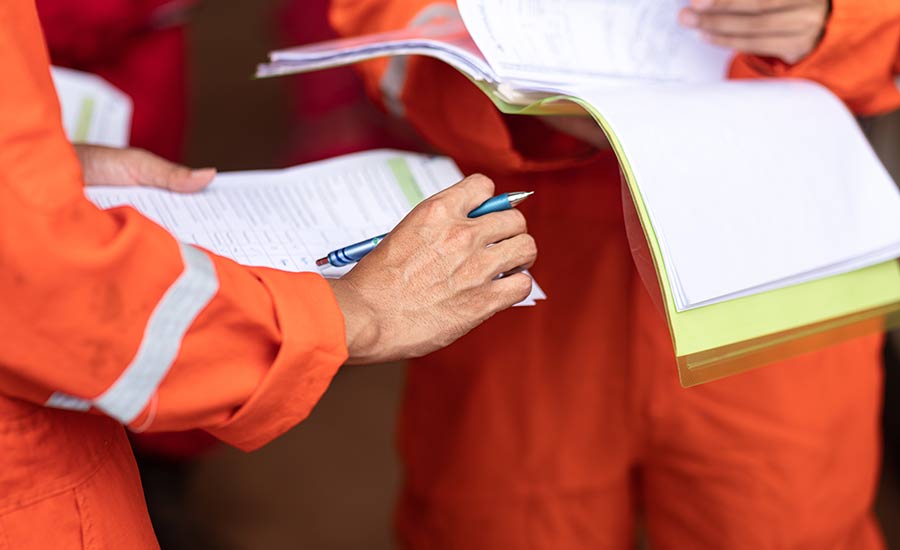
(162,336)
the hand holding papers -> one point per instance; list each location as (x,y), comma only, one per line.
(784,29)
(132,167)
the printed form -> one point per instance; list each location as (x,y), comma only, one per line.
(287,219)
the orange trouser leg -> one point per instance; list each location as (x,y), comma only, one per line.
(783,457)
(556,427)
(520,435)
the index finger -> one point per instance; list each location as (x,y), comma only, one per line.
(499,226)
(468,194)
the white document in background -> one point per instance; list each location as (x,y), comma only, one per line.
(753,185)
(93,110)
(287,219)
(563,41)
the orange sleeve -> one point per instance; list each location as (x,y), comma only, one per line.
(105,311)
(856,58)
(443,105)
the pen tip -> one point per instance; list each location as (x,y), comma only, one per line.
(519,196)
(322,262)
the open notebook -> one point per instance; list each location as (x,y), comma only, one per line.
(287,219)
(765,210)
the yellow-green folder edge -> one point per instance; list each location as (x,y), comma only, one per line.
(753,322)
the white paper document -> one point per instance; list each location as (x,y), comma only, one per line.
(93,110)
(287,219)
(742,203)
(558,41)
(524,49)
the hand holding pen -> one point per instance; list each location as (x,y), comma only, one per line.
(435,277)
(357,251)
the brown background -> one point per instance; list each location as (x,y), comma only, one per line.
(328,484)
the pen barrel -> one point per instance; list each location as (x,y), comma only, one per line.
(356,252)
(494,204)
(353,253)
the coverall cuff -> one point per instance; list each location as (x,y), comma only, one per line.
(838,61)
(313,348)
(833,40)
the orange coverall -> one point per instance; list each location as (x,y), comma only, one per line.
(563,426)
(106,312)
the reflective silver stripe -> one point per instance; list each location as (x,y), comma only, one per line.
(173,316)
(897,81)
(63,401)
(394,77)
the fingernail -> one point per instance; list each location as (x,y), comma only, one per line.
(203,172)
(688,18)
(702,4)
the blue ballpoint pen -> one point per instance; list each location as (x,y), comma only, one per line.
(356,252)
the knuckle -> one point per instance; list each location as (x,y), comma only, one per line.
(706,20)
(517,221)
(529,245)
(791,57)
(478,187)
(809,19)
(435,207)
(476,269)
(482,182)
(520,285)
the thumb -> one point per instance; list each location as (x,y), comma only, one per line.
(153,171)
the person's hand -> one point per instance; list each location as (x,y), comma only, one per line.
(583,127)
(434,278)
(110,166)
(786,29)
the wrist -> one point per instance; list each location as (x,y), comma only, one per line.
(360,322)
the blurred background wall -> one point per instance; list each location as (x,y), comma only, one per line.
(330,483)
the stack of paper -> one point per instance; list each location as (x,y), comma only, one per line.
(523,51)
(768,216)
(287,219)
